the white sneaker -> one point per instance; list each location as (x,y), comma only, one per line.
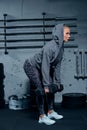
(54,115)
(46,120)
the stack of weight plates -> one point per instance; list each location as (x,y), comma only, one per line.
(2,76)
(19,103)
(74,100)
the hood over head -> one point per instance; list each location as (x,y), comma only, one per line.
(57,33)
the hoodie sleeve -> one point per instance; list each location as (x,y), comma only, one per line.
(45,68)
(56,78)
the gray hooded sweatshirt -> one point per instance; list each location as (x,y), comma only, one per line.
(50,56)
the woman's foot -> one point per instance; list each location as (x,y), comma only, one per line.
(55,115)
(44,119)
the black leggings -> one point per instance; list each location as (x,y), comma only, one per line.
(34,76)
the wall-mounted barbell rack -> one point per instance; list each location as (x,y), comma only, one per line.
(41,24)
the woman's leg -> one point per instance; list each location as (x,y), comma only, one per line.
(32,74)
(50,101)
(34,77)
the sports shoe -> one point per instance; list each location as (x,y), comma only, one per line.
(46,120)
(54,115)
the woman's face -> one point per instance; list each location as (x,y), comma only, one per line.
(66,34)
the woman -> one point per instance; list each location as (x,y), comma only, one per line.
(43,69)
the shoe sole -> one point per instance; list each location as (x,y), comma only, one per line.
(55,118)
(46,123)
